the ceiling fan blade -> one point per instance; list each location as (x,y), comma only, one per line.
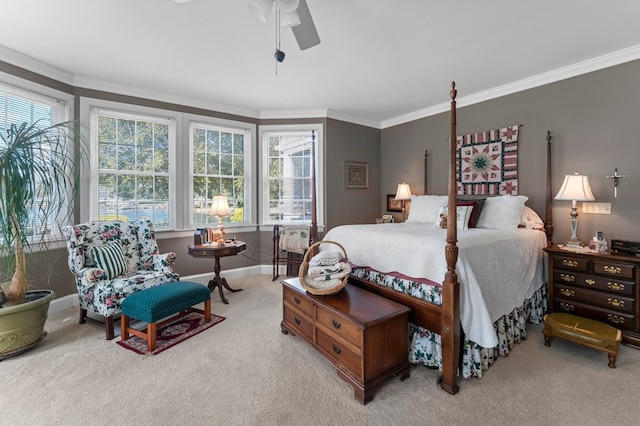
(305,33)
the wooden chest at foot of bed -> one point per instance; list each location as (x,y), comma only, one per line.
(363,335)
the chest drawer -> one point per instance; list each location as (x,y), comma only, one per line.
(340,354)
(615,319)
(301,323)
(612,269)
(594,282)
(301,303)
(339,326)
(571,263)
(610,301)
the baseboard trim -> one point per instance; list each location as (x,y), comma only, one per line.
(71,300)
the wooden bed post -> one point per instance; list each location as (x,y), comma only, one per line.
(450,318)
(548,207)
(314,215)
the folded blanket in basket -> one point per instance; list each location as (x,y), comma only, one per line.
(332,272)
(326,258)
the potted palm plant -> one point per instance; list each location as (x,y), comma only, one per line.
(37,184)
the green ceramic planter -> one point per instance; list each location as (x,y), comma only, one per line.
(22,326)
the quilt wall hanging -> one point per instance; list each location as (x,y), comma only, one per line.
(487,162)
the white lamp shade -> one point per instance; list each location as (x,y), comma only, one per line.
(219,206)
(575,187)
(288,5)
(289,19)
(261,8)
(403,192)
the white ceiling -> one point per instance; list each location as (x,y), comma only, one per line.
(378,63)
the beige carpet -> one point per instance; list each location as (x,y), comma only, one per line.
(244,371)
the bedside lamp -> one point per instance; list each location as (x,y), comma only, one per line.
(403,194)
(575,188)
(220,207)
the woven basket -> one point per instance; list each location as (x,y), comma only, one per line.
(304,268)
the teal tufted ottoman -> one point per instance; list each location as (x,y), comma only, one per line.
(153,304)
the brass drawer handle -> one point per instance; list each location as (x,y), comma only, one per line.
(615,286)
(566,292)
(612,269)
(589,281)
(336,324)
(567,307)
(297,320)
(615,302)
(570,263)
(568,278)
(336,349)
(615,319)
(297,299)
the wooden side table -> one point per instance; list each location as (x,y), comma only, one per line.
(229,249)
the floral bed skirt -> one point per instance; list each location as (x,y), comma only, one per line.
(424,345)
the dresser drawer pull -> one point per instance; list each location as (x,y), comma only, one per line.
(568,278)
(297,299)
(615,286)
(567,307)
(615,319)
(336,324)
(615,302)
(336,349)
(589,281)
(297,320)
(566,292)
(571,263)
(612,269)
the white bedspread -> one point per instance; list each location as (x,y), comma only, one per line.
(497,269)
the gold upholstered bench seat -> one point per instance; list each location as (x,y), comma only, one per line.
(583,331)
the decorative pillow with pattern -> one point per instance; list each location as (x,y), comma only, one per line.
(110,258)
(462,218)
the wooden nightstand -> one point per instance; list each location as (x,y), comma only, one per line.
(603,287)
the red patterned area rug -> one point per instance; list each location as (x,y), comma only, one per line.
(172,333)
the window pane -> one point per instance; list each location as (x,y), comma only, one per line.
(133,175)
(289,171)
(218,170)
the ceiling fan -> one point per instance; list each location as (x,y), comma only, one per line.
(292,13)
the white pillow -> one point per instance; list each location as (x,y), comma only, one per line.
(462,218)
(530,219)
(424,208)
(502,212)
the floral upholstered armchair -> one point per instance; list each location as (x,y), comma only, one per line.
(112,259)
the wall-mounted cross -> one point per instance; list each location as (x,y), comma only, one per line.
(616,177)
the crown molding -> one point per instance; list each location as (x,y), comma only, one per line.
(601,62)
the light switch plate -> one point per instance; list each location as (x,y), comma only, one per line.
(596,208)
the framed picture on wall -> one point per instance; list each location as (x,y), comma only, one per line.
(393,205)
(356,175)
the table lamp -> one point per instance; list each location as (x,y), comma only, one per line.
(403,194)
(575,188)
(220,207)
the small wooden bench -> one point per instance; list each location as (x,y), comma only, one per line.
(583,331)
(155,303)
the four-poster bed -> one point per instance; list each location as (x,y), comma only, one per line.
(436,312)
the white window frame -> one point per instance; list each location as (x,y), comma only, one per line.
(249,131)
(89,109)
(318,129)
(35,92)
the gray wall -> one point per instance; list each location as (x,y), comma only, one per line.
(594,120)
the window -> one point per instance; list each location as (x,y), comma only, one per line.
(134,177)
(19,106)
(220,160)
(286,181)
